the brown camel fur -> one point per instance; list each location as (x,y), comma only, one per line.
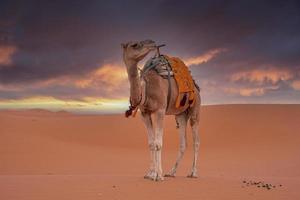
(149,94)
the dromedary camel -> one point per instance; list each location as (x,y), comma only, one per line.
(149,94)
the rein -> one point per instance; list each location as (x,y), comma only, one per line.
(133,108)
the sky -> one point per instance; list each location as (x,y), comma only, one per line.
(66,55)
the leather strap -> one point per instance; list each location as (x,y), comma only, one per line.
(169,81)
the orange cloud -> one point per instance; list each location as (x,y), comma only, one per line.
(260,76)
(203,58)
(252,92)
(296,85)
(109,78)
(6,53)
(111,75)
(247,92)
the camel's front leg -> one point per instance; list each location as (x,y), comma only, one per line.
(158,142)
(150,131)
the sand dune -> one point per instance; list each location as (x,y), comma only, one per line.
(45,155)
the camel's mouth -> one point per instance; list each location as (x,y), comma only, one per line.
(138,50)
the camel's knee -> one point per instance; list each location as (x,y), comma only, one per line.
(194,121)
(155,146)
(151,146)
(196,138)
(182,147)
(197,144)
(196,141)
(158,146)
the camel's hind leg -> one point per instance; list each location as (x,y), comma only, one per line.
(182,122)
(194,121)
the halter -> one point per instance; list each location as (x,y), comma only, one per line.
(134,108)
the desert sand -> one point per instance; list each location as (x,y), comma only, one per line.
(46,155)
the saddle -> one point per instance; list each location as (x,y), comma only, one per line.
(173,67)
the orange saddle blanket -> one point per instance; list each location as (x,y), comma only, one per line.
(183,79)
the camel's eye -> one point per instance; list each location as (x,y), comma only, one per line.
(135,45)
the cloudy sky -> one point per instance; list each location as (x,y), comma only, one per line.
(67,55)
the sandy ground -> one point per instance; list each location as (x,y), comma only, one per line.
(46,155)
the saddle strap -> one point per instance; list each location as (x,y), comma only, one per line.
(169,82)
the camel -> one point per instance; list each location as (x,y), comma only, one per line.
(149,94)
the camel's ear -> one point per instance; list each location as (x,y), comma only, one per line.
(123,45)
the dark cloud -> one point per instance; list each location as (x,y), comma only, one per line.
(58,38)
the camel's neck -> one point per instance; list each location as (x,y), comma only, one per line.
(135,83)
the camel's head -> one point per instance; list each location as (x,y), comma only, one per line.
(136,51)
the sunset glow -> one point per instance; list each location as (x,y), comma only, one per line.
(88,105)
(56,55)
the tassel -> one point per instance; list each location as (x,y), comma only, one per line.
(128,113)
(131,111)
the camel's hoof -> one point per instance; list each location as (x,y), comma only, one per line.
(153,176)
(169,175)
(159,178)
(147,177)
(192,175)
(150,175)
